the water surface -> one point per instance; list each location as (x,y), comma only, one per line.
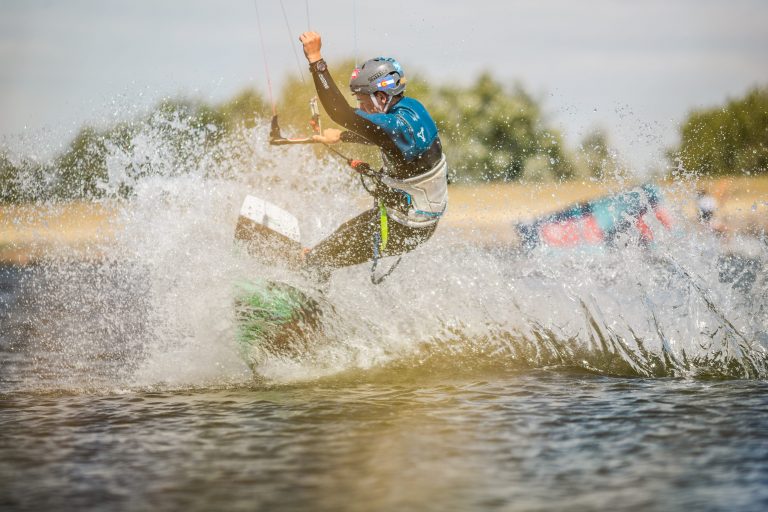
(631,378)
(534,440)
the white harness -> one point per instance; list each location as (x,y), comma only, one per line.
(427,196)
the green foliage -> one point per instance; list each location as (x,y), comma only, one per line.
(596,158)
(80,168)
(24,181)
(9,186)
(489,133)
(728,139)
(188,127)
(243,110)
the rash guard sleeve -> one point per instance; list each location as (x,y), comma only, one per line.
(352,119)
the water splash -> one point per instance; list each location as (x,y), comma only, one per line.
(155,309)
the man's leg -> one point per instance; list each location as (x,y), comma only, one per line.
(352,243)
(404,239)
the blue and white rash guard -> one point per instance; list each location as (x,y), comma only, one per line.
(406,133)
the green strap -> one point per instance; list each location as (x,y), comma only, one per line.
(383,237)
(383,221)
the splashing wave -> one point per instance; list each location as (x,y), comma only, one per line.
(155,310)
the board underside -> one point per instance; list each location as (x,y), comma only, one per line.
(269,233)
(275,317)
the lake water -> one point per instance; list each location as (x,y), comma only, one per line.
(534,440)
(471,379)
(101,421)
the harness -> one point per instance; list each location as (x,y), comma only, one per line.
(425,195)
(426,198)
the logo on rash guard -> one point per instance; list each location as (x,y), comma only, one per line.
(421,135)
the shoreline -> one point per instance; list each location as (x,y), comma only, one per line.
(480,213)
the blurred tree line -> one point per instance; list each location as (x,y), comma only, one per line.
(730,139)
(490,132)
(79,171)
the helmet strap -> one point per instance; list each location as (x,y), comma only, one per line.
(382,109)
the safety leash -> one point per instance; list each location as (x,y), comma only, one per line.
(383,225)
(380,245)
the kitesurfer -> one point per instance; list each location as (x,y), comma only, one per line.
(411,188)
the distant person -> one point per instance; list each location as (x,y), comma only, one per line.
(413,188)
(706,205)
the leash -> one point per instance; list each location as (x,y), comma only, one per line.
(380,238)
(380,245)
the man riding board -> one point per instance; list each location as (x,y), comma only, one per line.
(412,186)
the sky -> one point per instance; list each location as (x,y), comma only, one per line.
(634,69)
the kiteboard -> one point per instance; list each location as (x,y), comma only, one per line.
(276,318)
(272,316)
(268,232)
